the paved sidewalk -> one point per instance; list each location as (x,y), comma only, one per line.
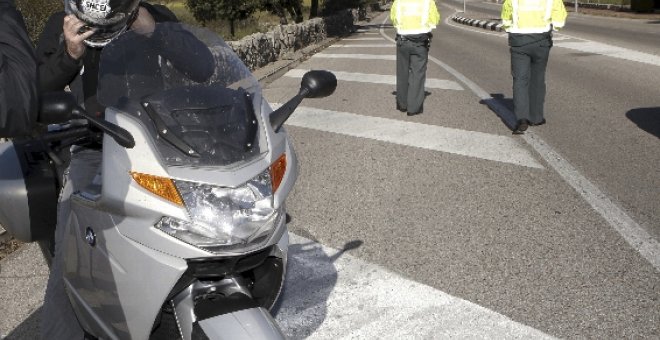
(23,276)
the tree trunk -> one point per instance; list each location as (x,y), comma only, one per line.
(280,12)
(314,9)
(297,7)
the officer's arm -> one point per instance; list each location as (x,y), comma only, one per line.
(434,16)
(393,13)
(507,14)
(558,14)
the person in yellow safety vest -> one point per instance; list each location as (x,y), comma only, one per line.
(413,20)
(530,24)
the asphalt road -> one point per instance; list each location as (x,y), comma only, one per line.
(556,248)
(457,227)
(604,109)
(635,31)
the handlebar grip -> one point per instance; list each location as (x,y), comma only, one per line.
(60,135)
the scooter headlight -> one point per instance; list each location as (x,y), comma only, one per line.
(225,219)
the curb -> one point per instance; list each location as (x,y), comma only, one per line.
(493,25)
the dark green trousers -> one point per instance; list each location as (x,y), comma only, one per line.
(529,58)
(412,55)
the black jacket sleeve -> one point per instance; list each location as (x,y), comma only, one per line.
(160,12)
(186,53)
(18,92)
(56,68)
(171,41)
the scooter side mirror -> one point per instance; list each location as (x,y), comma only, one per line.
(56,107)
(314,84)
(318,84)
(60,107)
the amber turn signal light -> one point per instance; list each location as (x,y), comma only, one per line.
(277,170)
(160,186)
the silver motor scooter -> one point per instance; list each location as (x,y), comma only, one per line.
(181,230)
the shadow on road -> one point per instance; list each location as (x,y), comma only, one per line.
(647,119)
(28,329)
(311,278)
(502,107)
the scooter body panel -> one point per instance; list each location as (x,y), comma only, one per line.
(28,190)
(14,211)
(118,284)
(116,293)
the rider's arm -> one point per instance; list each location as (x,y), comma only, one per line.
(184,51)
(18,94)
(170,41)
(57,68)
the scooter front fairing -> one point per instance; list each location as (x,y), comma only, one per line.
(188,226)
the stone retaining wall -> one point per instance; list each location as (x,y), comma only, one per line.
(260,49)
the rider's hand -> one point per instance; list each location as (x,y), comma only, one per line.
(144,23)
(73,38)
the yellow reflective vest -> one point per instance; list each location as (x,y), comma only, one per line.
(414,16)
(533,16)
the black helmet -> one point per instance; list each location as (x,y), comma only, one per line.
(109,17)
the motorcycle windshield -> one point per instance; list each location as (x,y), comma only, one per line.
(198,101)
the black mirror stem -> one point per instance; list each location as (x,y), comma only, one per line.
(279,116)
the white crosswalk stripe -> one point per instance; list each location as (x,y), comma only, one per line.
(610,51)
(431,83)
(362,46)
(355,56)
(497,148)
(333,295)
(362,39)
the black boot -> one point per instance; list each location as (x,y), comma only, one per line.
(521,127)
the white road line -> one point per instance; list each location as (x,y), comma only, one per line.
(431,83)
(355,56)
(581,45)
(611,51)
(481,145)
(362,46)
(362,39)
(330,294)
(632,232)
(636,236)
(558,37)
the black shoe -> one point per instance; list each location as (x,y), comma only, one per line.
(414,113)
(402,109)
(521,127)
(539,123)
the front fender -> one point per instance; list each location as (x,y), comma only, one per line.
(246,324)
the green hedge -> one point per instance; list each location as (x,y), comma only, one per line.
(36,13)
(641,5)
